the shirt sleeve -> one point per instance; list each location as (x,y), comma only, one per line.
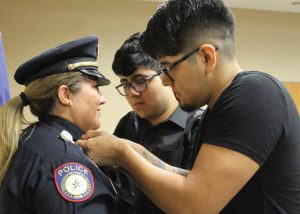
(34,187)
(250,117)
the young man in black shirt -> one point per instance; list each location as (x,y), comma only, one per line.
(249,158)
(156,122)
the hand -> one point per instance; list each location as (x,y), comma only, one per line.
(90,134)
(101,147)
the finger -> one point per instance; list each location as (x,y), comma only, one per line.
(90,134)
(82,143)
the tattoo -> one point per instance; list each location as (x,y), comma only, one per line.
(183,172)
(154,160)
(161,164)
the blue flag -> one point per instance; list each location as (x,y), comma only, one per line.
(4,86)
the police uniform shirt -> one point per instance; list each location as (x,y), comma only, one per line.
(48,175)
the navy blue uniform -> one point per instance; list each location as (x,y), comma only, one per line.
(48,175)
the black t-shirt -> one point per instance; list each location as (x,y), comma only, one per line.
(257,117)
(172,141)
(48,175)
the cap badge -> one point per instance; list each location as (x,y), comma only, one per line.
(74,182)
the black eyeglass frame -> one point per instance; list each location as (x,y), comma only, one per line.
(167,69)
(131,85)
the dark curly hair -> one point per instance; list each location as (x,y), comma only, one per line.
(130,56)
(179,26)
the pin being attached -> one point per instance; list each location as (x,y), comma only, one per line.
(66,136)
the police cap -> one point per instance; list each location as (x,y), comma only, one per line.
(79,55)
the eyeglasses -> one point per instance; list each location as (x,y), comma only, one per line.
(166,70)
(138,86)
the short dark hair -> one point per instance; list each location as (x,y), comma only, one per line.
(130,56)
(181,25)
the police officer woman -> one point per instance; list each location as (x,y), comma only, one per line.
(42,170)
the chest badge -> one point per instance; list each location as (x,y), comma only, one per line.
(74,182)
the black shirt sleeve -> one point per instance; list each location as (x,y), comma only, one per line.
(250,117)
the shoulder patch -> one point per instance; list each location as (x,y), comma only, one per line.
(74,182)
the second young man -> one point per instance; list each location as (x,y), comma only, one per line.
(156,122)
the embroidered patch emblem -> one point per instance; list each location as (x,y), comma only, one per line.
(74,182)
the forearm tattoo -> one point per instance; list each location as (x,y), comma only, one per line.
(161,164)
(183,172)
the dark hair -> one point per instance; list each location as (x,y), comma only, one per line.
(181,25)
(130,56)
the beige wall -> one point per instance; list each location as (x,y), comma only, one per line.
(267,41)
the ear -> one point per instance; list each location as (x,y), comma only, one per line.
(63,94)
(209,56)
